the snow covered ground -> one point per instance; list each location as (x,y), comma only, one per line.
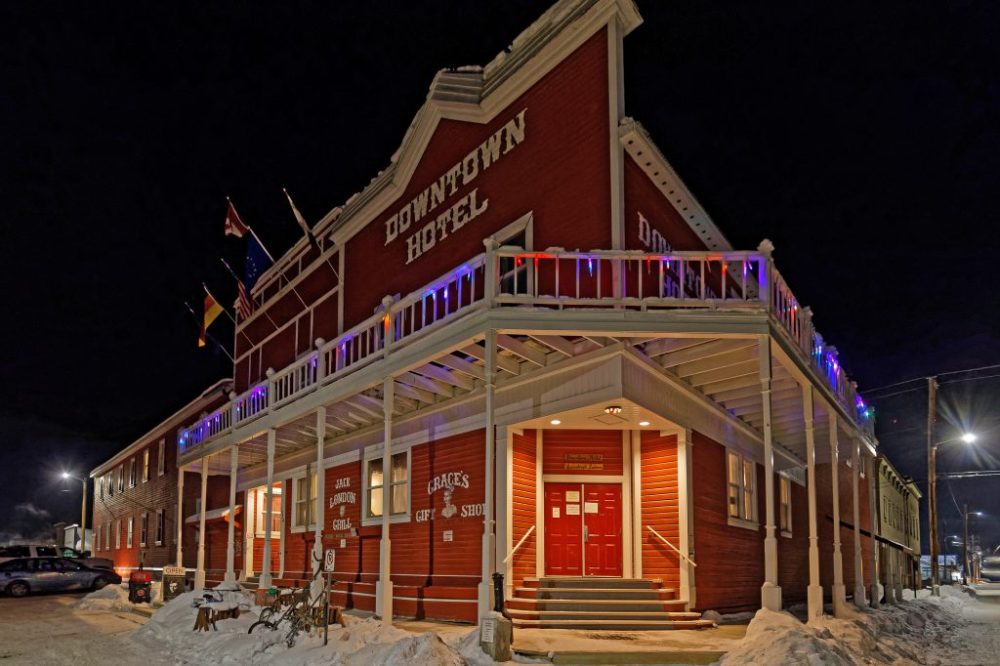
(952,629)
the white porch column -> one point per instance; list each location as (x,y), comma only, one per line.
(180,516)
(230,578)
(839,595)
(859,572)
(317,586)
(199,574)
(873,564)
(814,592)
(770,593)
(685,520)
(383,588)
(265,565)
(486,584)
(899,575)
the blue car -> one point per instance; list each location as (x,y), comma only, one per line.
(23,576)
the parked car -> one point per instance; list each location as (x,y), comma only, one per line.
(990,570)
(24,575)
(10,552)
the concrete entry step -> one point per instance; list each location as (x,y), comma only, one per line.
(618,625)
(596,593)
(593,582)
(585,614)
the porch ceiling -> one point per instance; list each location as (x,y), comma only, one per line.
(724,369)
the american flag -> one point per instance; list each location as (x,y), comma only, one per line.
(244,306)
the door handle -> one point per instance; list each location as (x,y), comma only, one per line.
(586,533)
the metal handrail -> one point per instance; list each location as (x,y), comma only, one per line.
(514,549)
(672,546)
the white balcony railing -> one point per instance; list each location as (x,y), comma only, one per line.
(553,279)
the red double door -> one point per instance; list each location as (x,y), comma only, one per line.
(583,529)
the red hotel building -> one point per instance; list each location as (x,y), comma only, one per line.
(525,348)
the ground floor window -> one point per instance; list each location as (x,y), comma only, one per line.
(785,505)
(741,473)
(143,529)
(118,534)
(261,510)
(303,502)
(399,486)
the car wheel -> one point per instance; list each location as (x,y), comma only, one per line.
(100,583)
(18,589)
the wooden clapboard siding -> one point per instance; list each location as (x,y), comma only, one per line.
(524,494)
(730,559)
(605,443)
(793,548)
(659,507)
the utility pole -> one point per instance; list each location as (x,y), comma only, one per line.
(932,483)
(965,545)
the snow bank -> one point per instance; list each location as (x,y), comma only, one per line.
(113,598)
(950,629)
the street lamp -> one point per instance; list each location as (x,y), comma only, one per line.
(967,438)
(83,508)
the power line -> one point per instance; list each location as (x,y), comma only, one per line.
(868,392)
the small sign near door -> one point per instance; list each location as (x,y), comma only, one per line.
(572,495)
(329,562)
(572,509)
(555,512)
(590,507)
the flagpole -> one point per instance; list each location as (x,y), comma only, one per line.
(264,310)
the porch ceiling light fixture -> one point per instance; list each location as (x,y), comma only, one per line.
(644,423)
(613,410)
(555,421)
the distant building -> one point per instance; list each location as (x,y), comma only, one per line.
(136,495)
(898,516)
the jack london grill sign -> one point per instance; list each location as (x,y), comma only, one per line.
(417,218)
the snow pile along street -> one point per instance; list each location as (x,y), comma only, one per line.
(951,629)
(113,598)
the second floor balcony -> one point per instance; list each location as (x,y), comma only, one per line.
(563,301)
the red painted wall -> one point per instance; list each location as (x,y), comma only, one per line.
(523,497)
(659,507)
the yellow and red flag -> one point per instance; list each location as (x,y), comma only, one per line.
(212,312)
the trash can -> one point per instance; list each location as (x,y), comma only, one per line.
(139,585)
(174,583)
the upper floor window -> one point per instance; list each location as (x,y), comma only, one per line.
(100,483)
(129,531)
(131,473)
(398,486)
(145,465)
(121,479)
(161,458)
(741,474)
(161,524)
(118,534)
(303,502)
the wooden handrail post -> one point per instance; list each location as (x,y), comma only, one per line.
(490,276)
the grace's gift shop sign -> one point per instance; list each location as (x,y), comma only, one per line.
(416,220)
(447,484)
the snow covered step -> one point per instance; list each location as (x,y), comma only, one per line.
(594,593)
(620,625)
(593,582)
(611,605)
(610,616)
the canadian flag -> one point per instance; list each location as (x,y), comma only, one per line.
(234,224)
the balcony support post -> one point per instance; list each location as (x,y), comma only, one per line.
(383,588)
(180,516)
(199,573)
(486,584)
(838,591)
(320,518)
(814,592)
(265,574)
(859,572)
(490,275)
(770,593)
(230,578)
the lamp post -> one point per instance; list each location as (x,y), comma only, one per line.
(966,438)
(83,508)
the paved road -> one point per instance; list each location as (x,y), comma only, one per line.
(47,629)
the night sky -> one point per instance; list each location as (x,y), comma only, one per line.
(863,139)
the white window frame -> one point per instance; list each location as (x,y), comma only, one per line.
(121,478)
(118,534)
(310,516)
(144,529)
(785,508)
(742,520)
(260,510)
(130,532)
(161,460)
(403,517)
(100,482)
(161,527)
(145,465)
(131,472)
